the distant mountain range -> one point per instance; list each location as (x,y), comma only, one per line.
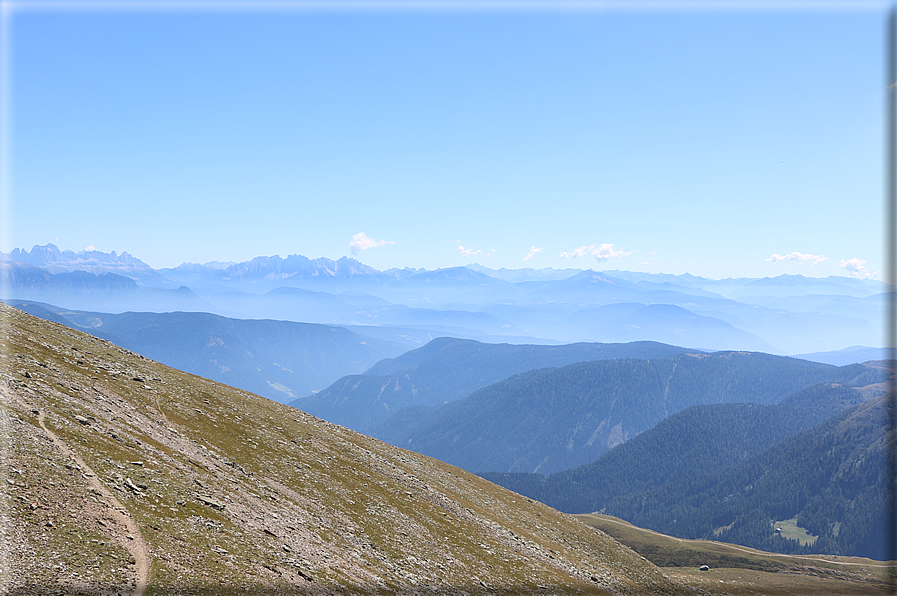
(846,356)
(93,291)
(666,323)
(786,314)
(280,360)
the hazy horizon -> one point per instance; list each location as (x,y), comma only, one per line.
(473,265)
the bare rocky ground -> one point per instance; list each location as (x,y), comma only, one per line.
(123,476)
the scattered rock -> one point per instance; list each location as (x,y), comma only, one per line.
(304,575)
(211,502)
(130,484)
(82,420)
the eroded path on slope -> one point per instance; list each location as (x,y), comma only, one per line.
(135,544)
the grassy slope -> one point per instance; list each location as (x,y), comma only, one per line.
(740,570)
(230,491)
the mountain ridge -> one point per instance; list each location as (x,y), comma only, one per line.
(552,419)
(448,369)
(276,359)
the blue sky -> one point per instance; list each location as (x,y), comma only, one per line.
(720,143)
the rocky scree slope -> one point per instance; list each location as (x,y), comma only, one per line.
(121,475)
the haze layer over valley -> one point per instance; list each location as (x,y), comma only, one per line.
(789,314)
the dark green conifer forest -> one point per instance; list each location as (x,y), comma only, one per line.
(728,472)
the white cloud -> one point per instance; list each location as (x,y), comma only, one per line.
(857,268)
(575,254)
(469,252)
(533,251)
(476,254)
(91,247)
(601,252)
(361,242)
(798,256)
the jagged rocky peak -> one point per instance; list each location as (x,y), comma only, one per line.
(49,254)
(275,267)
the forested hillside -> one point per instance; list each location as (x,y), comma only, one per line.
(831,479)
(696,441)
(555,419)
(448,369)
